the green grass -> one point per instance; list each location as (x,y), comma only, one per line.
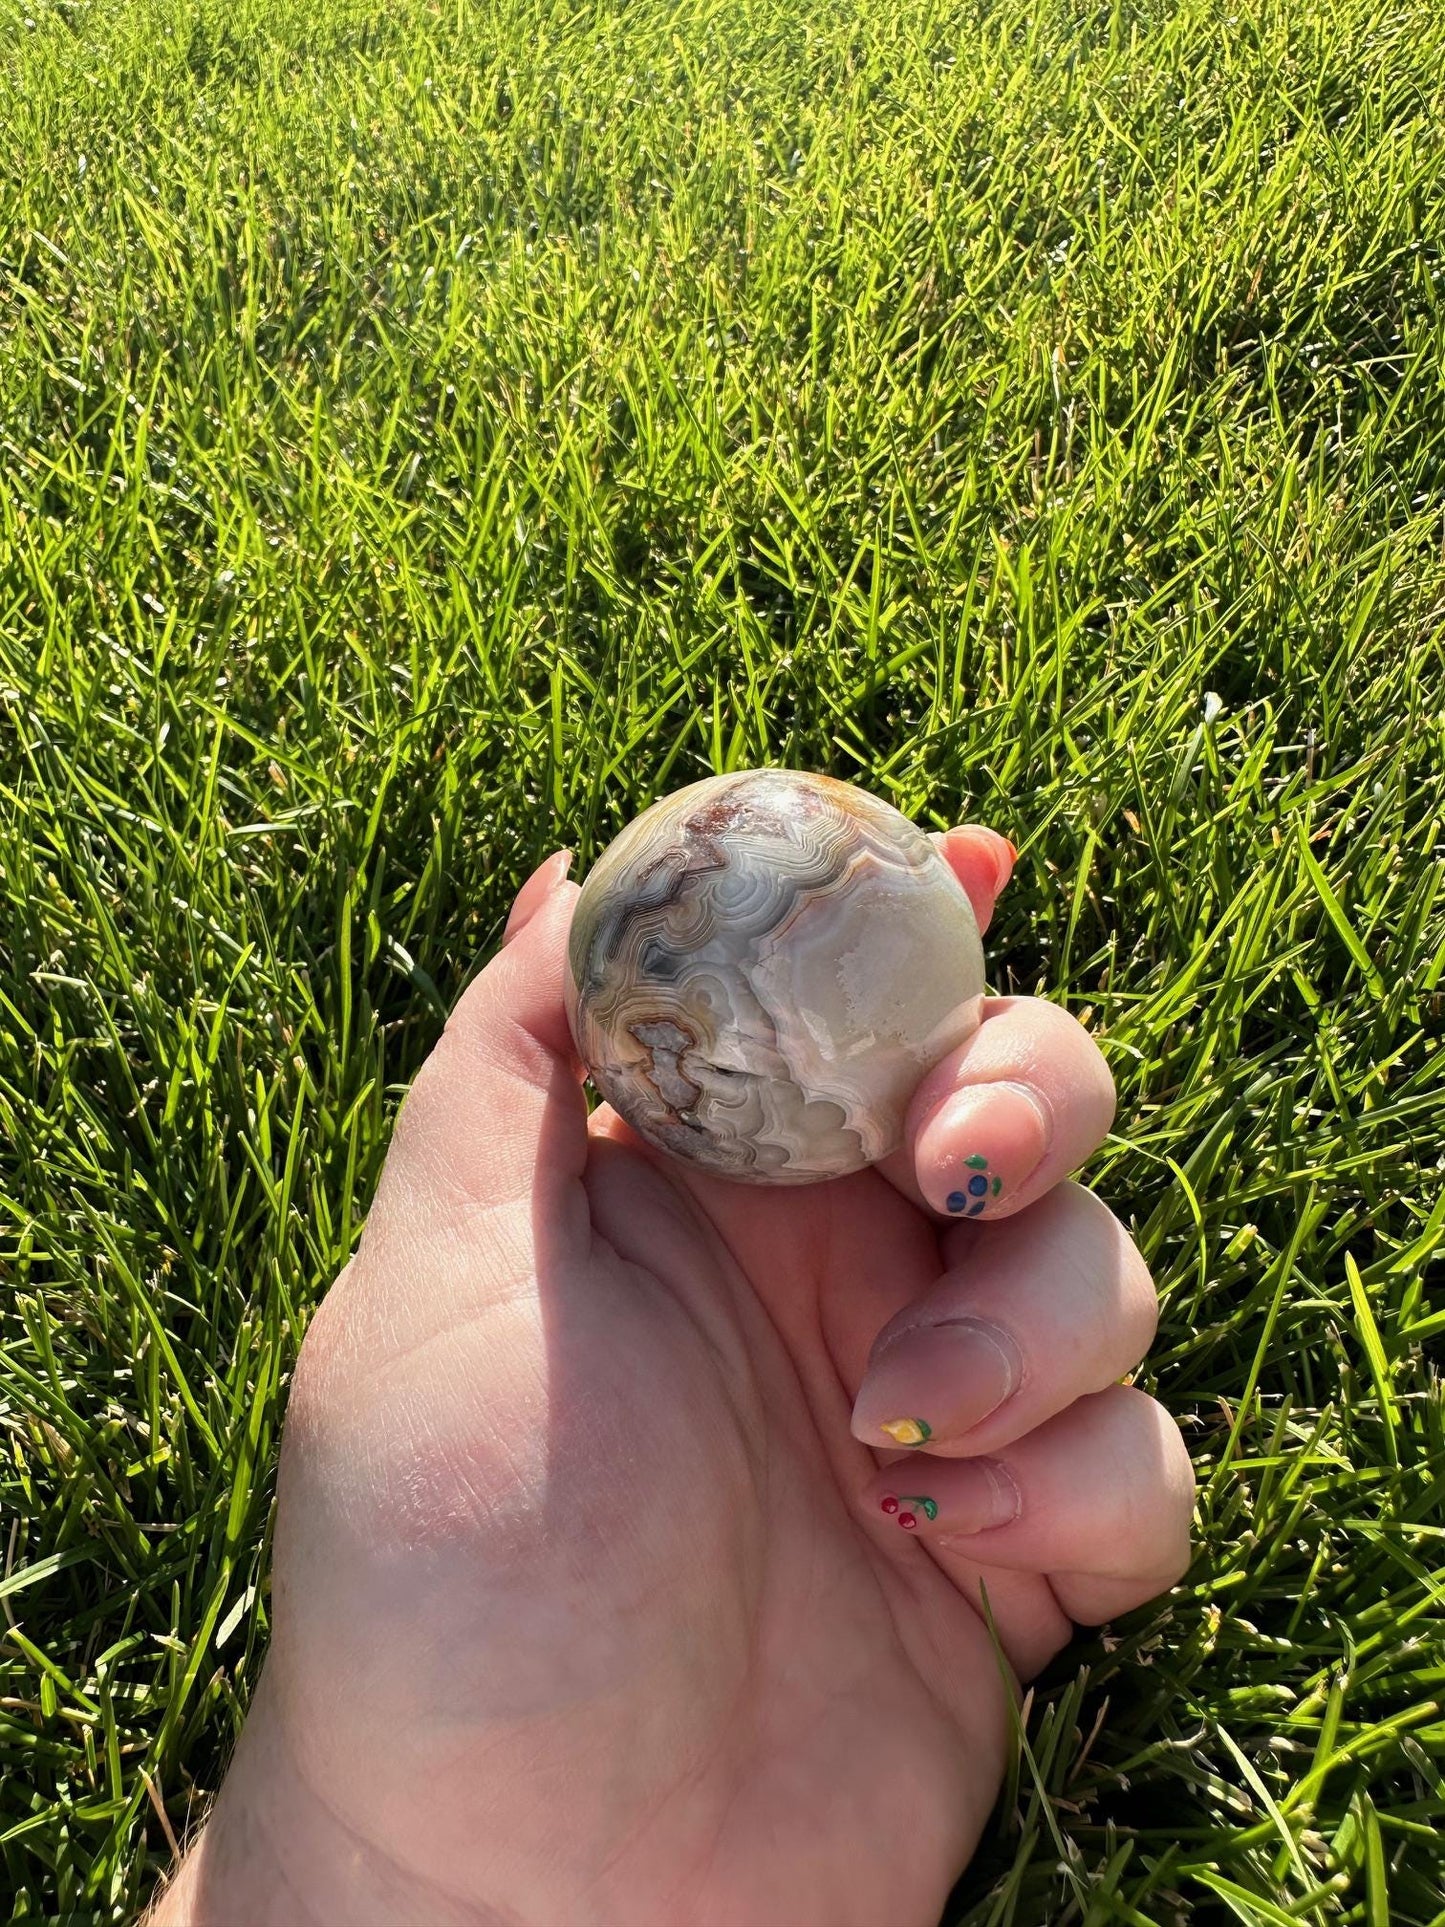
(429,430)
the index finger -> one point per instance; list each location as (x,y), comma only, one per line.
(1016,1107)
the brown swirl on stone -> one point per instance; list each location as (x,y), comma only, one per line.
(762,966)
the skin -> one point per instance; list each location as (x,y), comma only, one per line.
(586,1606)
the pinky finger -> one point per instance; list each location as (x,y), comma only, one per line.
(1098,1500)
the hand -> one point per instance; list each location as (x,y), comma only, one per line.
(602,1593)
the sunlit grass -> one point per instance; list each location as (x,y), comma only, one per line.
(426,431)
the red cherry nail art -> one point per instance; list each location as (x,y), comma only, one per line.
(907,1521)
(890,1504)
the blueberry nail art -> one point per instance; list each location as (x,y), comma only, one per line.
(974,1195)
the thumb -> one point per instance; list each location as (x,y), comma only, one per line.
(535,892)
(496,1121)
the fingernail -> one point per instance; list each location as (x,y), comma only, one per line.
(1003,870)
(973,1495)
(535,892)
(953,1373)
(980,1146)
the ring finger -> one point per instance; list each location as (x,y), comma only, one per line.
(1044,1308)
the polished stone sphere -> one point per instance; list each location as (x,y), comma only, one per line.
(762,966)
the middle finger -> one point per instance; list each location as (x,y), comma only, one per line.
(1039,1310)
(1021,1103)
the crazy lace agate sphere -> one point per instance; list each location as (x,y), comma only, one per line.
(762,967)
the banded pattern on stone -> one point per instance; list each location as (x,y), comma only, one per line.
(762,967)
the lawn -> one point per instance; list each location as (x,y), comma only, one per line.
(427,431)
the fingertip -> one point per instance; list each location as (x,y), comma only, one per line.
(1005,855)
(535,892)
(983,861)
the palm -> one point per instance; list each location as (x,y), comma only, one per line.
(611,1545)
(837,1687)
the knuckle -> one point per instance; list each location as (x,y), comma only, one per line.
(1108,1275)
(1102,1075)
(323,1357)
(314,1365)
(1154,1493)
(1138,1297)
(1183,1484)
(1180,1563)
(1171,1480)
(1097,1078)
(1091,1076)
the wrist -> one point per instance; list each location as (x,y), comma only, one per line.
(274,1854)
